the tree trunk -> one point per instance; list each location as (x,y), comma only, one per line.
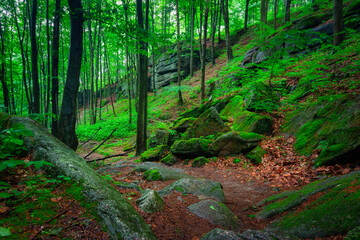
(225,9)
(287,11)
(55,71)
(178,52)
(68,109)
(48,64)
(192,38)
(34,58)
(247,14)
(142,80)
(276,6)
(3,74)
(338,22)
(214,14)
(204,52)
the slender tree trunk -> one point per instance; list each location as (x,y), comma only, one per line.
(276,7)
(204,52)
(247,14)
(3,74)
(142,80)
(34,59)
(178,52)
(109,78)
(219,29)
(55,71)
(200,31)
(68,108)
(48,63)
(287,11)
(338,22)
(153,51)
(214,14)
(192,38)
(225,8)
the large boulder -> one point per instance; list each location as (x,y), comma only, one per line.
(219,105)
(162,172)
(209,123)
(154,154)
(217,213)
(119,218)
(333,210)
(200,187)
(150,201)
(221,234)
(183,124)
(331,124)
(160,137)
(244,120)
(194,147)
(260,97)
(235,143)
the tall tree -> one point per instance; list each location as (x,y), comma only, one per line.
(55,70)
(178,52)
(338,22)
(247,14)
(206,14)
(34,59)
(2,72)
(142,80)
(287,10)
(276,7)
(192,38)
(225,11)
(68,108)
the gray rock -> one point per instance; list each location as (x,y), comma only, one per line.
(165,173)
(220,234)
(194,147)
(161,137)
(126,185)
(353,234)
(120,219)
(266,235)
(200,187)
(217,213)
(150,201)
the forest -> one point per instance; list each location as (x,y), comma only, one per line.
(172,119)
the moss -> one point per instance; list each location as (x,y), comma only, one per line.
(130,144)
(183,124)
(250,136)
(199,162)
(152,175)
(154,154)
(256,155)
(191,148)
(330,154)
(353,234)
(336,212)
(300,92)
(169,159)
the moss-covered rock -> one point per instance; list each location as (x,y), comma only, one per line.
(161,137)
(183,124)
(200,187)
(150,201)
(301,91)
(165,173)
(4,118)
(154,154)
(199,162)
(331,124)
(353,234)
(152,175)
(169,159)
(194,147)
(336,211)
(217,213)
(209,123)
(130,144)
(256,155)
(246,121)
(260,97)
(196,112)
(312,21)
(234,143)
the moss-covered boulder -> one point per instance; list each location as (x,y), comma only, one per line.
(335,211)
(4,117)
(160,172)
(200,187)
(150,201)
(209,123)
(196,112)
(183,124)
(353,234)
(194,147)
(312,21)
(331,124)
(301,91)
(235,143)
(260,97)
(199,162)
(221,234)
(246,121)
(256,155)
(154,154)
(217,213)
(169,159)
(130,144)
(160,137)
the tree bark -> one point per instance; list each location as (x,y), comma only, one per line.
(178,52)
(3,74)
(68,109)
(338,22)
(142,80)
(204,52)
(192,38)
(55,71)
(34,60)
(287,11)
(247,14)
(225,10)
(276,6)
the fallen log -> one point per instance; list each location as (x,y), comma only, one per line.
(101,143)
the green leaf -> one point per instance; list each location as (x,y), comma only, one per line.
(5,195)
(4,232)
(212,207)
